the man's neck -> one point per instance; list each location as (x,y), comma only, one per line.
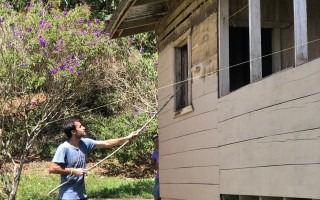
(74,142)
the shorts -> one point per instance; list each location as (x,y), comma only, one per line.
(156,189)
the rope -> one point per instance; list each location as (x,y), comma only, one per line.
(139,130)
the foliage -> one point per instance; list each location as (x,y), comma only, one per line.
(57,63)
(36,183)
(122,125)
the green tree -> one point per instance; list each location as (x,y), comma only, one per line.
(55,64)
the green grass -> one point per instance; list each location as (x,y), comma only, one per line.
(35,186)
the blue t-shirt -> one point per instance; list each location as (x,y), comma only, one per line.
(155,155)
(69,156)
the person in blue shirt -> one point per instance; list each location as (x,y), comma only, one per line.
(70,158)
(155,165)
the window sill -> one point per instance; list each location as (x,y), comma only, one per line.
(183,111)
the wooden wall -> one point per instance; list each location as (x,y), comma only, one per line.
(262,139)
(269,136)
(188,156)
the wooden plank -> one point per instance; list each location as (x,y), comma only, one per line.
(164,23)
(263,24)
(276,47)
(197,141)
(205,86)
(197,17)
(149,2)
(188,72)
(278,88)
(206,121)
(205,45)
(224,74)
(297,181)
(201,105)
(292,116)
(197,175)
(300,31)
(294,148)
(138,22)
(313,29)
(189,191)
(119,16)
(255,41)
(181,17)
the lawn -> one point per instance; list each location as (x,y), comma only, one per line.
(36,182)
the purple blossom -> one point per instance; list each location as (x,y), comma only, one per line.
(32,103)
(79,73)
(84,32)
(97,34)
(6,5)
(110,42)
(107,34)
(98,21)
(155,63)
(1,19)
(42,41)
(29,30)
(65,13)
(53,71)
(68,60)
(132,40)
(150,114)
(141,50)
(80,21)
(27,8)
(58,48)
(73,57)
(50,6)
(71,69)
(42,22)
(76,63)
(49,26)
(62,67)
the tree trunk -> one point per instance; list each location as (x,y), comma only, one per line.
(16,179)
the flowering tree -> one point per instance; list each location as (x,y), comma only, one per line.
(52,63)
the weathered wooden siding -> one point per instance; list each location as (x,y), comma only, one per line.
(262,139)
(188,157)
(269,136)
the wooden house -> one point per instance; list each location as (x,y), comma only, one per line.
(245,123)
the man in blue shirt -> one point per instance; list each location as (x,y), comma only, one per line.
(70,158)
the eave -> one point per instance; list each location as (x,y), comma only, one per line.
(136,16)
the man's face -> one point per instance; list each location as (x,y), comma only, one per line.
(156,142)
(80,130)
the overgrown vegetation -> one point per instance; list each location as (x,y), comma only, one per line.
(56,63)
(36,183)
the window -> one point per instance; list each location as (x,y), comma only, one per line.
(182,66)
(260,37)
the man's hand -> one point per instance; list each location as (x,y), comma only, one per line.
(133,135)
(79,172)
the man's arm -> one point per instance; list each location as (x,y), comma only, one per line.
(117,141)
(57,169)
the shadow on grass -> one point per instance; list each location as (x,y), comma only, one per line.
(137,189)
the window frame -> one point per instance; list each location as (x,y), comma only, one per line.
(183,40)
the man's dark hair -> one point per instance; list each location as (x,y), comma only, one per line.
(155,136)
(69,126)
